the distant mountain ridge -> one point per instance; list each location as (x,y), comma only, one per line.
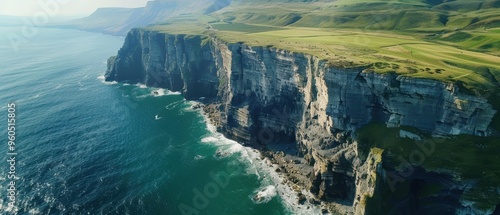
(364,84)
(412,15)
(118,21)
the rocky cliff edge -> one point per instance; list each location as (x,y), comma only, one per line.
(261,96)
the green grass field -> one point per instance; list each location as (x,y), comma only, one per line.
(451,58)
(487,41)
(385,51)
(451,41)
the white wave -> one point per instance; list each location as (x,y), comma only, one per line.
(209,139)
(228,147)
(199,157)
(157,117)
(174,105)
(143,86)
(34,211)
(193,103)
(157,92)
(210,127)
(173,93)
(263,194)
(110,82)
(103,80)
(272,183)
(10,209)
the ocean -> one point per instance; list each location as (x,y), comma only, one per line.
(85,146)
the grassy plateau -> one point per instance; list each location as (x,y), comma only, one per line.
(455,41)
(451,41)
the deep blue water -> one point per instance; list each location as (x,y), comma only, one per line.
(89,147)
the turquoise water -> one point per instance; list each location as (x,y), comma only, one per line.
(89,147)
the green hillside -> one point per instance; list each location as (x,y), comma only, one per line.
(454,41)
(451,41)
(411,15)
(448,40)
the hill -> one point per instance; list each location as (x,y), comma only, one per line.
(452,41)
(118,21)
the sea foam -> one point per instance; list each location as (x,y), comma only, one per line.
(263,194)
(103,80)
(272,183)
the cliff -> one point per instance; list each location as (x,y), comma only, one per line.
(263,95)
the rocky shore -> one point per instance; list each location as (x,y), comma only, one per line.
(300,112)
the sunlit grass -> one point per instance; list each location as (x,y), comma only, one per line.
(410,55)
(384,51)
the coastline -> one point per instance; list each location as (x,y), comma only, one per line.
(263,164)
(300,99)
(265,167)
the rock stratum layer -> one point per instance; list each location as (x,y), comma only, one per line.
(259,95)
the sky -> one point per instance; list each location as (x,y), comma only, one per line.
(66,7)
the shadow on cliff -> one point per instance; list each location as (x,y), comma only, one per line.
(420,193)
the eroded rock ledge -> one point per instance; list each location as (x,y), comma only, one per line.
(258,95)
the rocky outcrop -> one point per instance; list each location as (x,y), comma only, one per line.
(262,95)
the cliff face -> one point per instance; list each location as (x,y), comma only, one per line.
(260,95)
(257,78)
(175,62)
